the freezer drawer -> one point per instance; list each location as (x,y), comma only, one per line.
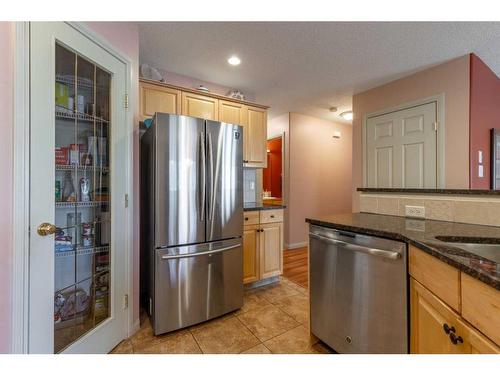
(196,283)
(358,292)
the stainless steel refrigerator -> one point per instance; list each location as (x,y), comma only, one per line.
(191,220)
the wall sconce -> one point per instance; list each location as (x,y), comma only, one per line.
(336,134)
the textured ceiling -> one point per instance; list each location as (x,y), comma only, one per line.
(308,67)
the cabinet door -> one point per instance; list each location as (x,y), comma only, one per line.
(232,113)
(255,154)
(250,254)
(428,318)
(271,246)
(474,342)
(200,106)
(155,98)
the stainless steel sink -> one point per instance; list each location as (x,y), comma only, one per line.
(484,250)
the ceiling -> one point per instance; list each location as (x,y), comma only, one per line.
(308,67)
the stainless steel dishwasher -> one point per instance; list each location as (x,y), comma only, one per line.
(358,292)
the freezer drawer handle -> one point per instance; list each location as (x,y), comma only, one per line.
(200,254)
(367,250)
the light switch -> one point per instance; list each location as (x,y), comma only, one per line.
(480,171)
(480,156)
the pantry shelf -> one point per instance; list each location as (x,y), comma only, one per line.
(64,167)
(83,250)
(80,204)
(67,114)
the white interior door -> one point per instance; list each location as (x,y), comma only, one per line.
(401,148)
(78,148)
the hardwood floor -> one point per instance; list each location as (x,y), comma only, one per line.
(295,266)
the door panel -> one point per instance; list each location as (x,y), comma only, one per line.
(232,113)
(189,290)
(158,99)
(200,106)
(401,148)
(78,128)
(271,245)
(250,254)
(224,181)
(256,137)
(179,193)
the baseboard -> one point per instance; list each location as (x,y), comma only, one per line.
(295,245)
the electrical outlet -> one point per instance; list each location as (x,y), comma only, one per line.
(415,211)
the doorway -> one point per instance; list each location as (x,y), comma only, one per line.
(272,177)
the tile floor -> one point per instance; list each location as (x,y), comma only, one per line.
(273,319)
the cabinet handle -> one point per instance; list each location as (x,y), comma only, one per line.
(246,219)
(456,339)
(272,216)
(448,329)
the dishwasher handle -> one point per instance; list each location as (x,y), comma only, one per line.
(362,249)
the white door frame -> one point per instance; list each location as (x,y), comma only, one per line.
(21,180)
(440,141)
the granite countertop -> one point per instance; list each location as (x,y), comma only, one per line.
(422,234)
(260,207)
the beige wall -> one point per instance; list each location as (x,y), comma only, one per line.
(450,79)
(320,172)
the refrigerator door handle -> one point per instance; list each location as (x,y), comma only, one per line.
(201,167)
(166,257)
(212,182)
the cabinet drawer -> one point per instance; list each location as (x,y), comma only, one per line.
(481,307)
(271,216)
(251,217)
(440,278)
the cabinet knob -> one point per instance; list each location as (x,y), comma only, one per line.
(246,219)
(456,339)
(448,329)
(272,216)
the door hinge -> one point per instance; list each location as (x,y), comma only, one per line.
(126,101)
(126,200)
(125,301)
(436,126)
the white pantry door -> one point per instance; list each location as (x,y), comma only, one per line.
(78,148)
(401,148)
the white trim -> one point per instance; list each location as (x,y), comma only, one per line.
(295,245)
(20,204)
(439,99)
(20,266)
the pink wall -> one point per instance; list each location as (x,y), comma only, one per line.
(484,115)
(124,36)
(6,185)
(450,78)
(320,172)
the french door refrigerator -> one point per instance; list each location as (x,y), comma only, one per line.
(191,220)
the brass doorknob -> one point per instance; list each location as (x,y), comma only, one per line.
(45,229)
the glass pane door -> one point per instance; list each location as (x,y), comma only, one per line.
(82,197)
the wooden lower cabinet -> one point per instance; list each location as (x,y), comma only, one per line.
(262,247)
(271,255)
(430,316)
(251,254)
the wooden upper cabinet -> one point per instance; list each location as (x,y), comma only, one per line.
(200,106)
(255,138)
(232,113)
(156,98)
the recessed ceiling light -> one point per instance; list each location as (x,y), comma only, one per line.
(347,115)
(234,60)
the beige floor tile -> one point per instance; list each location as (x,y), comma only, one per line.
(144,338)
(257,349)
(267,322)
(211,322)
(225,336)
(125,347)
(296,306)
(276,291)
(252,300)
(179,343)
(295,341)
